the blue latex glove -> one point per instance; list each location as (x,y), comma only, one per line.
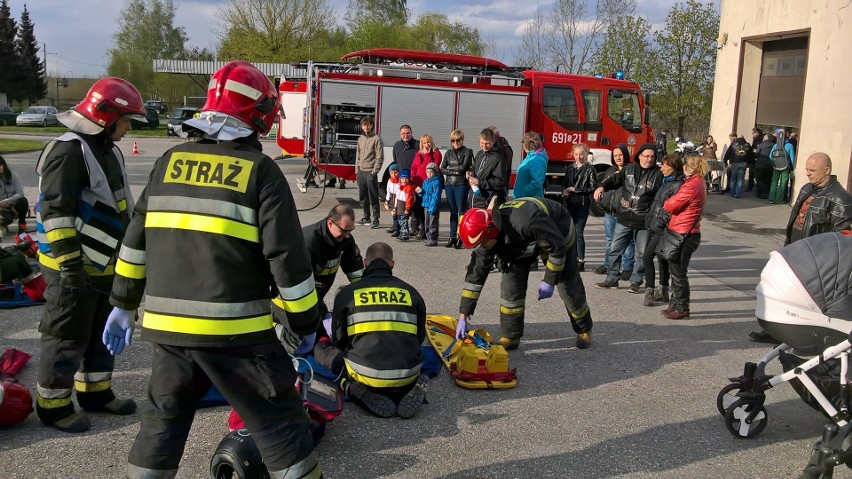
(545,290)
(461,328)
(118,332)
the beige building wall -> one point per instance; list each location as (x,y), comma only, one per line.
(826,123)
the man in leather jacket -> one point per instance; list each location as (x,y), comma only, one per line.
(822,206)
(640,181)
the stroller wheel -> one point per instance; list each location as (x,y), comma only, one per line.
(737,419)
(726,397)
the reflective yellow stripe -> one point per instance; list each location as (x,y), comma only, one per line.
(122,205)
(555,267)
(470,294)
(539,203)
(506,310)
(60,234)
(53,403)
(64,258)
(299,305)
(130,270)
(581,313)
(206,224)
(92,387)
(379,383)
(377,326)
(53,263)
(182,324)
(327,271)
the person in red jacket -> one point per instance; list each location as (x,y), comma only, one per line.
(428,153)
(686,207)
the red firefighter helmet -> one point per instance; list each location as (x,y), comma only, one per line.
(27,239)
(109,99)
(477,225)
(241,90)
(16,403)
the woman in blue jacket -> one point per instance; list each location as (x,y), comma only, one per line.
(529,180)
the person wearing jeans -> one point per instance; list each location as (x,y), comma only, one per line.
(610,203)
(639,182)
(580,181)
(369,156)
(456,163)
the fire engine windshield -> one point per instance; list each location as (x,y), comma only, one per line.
(560,105)
(623,108)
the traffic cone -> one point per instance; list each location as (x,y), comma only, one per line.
(135,149)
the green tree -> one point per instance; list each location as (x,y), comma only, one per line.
(273,30)
(626,48)
(686,60)
(382,12)
(146,32)
(32,74)
(434,32)
(8,55)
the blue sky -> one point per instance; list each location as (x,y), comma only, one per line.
(78,33)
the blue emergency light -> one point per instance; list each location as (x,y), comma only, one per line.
(619,75)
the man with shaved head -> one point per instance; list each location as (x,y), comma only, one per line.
(822,206)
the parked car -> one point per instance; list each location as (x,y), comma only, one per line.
(152,117)
(38,116)
(158,105)
(7,115)
(179,116)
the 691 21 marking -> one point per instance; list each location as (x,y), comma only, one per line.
(566,138)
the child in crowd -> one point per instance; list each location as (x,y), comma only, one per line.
(404,203)
(430,193)
(390,199)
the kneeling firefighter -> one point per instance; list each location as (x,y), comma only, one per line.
(218,217)
(517,233)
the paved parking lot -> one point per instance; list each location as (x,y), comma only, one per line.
(639,404)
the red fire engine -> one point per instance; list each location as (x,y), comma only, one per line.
(436,93)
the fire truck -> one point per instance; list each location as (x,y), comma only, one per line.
(436,93)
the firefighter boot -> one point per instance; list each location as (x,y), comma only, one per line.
(649,297)
(105,401)
(64,418)
(509,344)
(413,399)
(584,340)
(374,402)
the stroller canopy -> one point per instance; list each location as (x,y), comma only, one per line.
(823,264)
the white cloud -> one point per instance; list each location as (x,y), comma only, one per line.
(78,33)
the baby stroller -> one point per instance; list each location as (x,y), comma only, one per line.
(803,300)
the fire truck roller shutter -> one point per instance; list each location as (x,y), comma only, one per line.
(347,93)
(505,110)
(427,110)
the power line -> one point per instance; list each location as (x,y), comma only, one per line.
(77,61)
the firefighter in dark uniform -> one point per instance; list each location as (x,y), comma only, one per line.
(209,245)
(378,325)
(331,247)
(84,207)
(517,234)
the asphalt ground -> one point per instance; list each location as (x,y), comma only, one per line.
(640,403)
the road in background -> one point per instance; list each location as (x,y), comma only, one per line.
(639,404)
